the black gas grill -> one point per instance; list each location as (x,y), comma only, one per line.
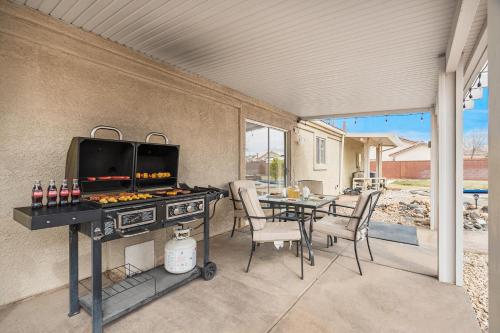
(112,169)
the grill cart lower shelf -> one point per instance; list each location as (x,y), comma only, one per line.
(132,292)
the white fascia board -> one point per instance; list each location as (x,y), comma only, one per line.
(462,23)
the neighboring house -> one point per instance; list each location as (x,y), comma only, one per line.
(408,150)
(267,157)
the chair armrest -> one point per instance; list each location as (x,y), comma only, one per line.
(337,205)
(323,211)
(260,217)
(342,215)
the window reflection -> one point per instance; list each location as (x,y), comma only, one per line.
(265,157)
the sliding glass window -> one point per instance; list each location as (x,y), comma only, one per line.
(265,155)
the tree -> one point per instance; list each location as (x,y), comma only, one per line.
(475,142)
(276,168)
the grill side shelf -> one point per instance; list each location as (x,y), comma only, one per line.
(45,217)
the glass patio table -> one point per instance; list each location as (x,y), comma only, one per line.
(298,206)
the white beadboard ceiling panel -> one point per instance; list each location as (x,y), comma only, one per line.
(311,58)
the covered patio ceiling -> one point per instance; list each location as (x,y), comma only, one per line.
(310,58)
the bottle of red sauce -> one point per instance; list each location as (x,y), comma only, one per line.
(75,192)
(64,193)
(37,195)
(52,194)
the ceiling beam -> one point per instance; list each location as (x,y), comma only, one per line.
(464,16)
(371,113)
(477,59)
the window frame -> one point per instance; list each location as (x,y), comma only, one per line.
(286,147)
(320,157)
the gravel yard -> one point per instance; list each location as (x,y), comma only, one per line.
(476,284)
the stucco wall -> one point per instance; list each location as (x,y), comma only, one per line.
(351,149)
(303,157)
(58,82)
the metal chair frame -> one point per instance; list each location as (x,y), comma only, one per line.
(361,224)
(234,200)
(254,243)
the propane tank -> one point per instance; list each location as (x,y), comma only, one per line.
(180,252)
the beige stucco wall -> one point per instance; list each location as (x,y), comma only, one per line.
(58,82)
(303,156)
(351,149)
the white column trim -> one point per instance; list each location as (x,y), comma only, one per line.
(447,179)
(434,171)
(459,176)
(366,159)
(494,165)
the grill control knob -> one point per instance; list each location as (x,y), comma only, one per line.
(200,206)
(177,211)
(190,208)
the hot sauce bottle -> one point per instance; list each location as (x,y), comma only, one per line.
(75,192)
(52,194)
(64,193)
(37,195)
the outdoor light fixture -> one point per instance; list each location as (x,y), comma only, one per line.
(479,80)
(470,91)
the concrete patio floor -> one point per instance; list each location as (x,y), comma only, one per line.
(397,293)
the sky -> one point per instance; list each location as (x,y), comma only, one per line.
(417,126)
(257,141)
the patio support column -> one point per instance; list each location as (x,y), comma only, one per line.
(434,171)
(366,159)
(379,161)
(459,174)
(447,233)
(494,164)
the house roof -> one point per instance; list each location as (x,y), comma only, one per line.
(375,139)
(406,140)
(418,144)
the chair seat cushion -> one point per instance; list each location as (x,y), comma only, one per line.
(336,226)
(277,231)
(267,211)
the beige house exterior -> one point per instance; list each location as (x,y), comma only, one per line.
(305,166)
(408,150)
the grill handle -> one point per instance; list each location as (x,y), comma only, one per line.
(151,134)
(110,128)
(132,234)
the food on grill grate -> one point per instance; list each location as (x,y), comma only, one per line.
(153,175)
(120,197)
(93,179)
(172,192)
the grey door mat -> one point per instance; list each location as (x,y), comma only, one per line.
(394,233)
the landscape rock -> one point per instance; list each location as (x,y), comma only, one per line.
(476,285)
(468,205)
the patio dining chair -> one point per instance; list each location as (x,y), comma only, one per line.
(239,212)
(266,232)
(353,227)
